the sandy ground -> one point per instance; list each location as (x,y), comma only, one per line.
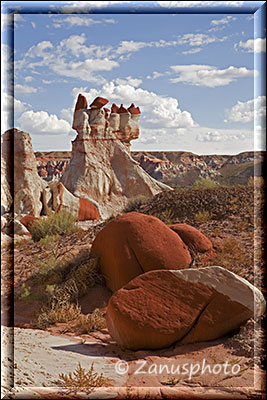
(40,356)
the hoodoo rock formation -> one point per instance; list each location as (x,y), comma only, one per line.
(101,168)
(20,173)
(27,191)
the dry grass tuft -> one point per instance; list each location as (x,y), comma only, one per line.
(203,216)
(82,379)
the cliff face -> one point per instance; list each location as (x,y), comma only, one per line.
(175,168)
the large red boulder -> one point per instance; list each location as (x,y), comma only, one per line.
(135,243)
(87,210)
(192,237)
(159,308)
(27,221)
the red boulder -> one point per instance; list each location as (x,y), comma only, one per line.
(122,110)
(27,221)
(192,237)
(135,243)
(87,210)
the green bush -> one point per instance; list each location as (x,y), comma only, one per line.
(56,224)
(204,183)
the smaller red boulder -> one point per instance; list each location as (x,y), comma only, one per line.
(87,210)
(192,237)
(27,221)
(134,110)
(114,108)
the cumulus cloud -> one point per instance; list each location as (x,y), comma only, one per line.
(216,136)
(208,75)
(252,45)
(24,89)
(158,112)
(42,123)
(246,111)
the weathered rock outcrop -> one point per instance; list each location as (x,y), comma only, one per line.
(159,308)
(20,172)
(136,243)
(63,200)
(101,168)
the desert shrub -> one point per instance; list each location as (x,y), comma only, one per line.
(90,322)
(203,216)
(256,181)
(204,183)
(134,204)
(57,312)
(81,378)
(56,224)
(165,216)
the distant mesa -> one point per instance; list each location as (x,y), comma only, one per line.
(98,102)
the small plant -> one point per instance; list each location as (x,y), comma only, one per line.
(204,183)
(81,378)
(203,216)
(172,381)
(56,224)
(90,322)
(26,291)
(134,204)
(57,312)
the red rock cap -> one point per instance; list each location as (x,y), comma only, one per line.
(98,102)
(114,108)
(134,110)
(106,109)
(122,110)
(81,102)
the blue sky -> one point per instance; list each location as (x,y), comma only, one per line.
(196,77)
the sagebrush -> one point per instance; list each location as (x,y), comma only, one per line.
(61,223)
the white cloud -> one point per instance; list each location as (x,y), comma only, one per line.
(208,75)
(173,4)
(131,46)
(129,80)
(246,111)
(39,50)
(192,51)
(158,112)
(28,79)
(25,89)
(84,6)
(198,39)
(84,70)
(42,123)
(222,21)
(216,136)
(33,24)
(75,20)
(252,45)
